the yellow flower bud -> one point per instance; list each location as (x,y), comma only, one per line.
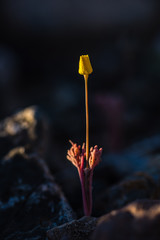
(85,67)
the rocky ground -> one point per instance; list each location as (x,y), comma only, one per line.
(40,195)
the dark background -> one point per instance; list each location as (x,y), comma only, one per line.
(40,45)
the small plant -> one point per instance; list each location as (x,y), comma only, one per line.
(83,159)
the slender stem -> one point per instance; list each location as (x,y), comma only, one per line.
(86,186)
(85,205)
(87,120)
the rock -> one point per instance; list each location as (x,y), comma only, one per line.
(30,201)
(27,128)
(137,221)
(137,171)
(74,230)
(137,186)
(137,157)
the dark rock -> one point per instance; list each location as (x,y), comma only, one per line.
(138,169)
(135,158)
(138,186)
(30,201)
(76,230)
(26,128)
(137,221)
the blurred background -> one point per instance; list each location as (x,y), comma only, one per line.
(40,45)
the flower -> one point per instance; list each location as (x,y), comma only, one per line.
(76,155)
(85,67)
(80,157)
(95,156)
